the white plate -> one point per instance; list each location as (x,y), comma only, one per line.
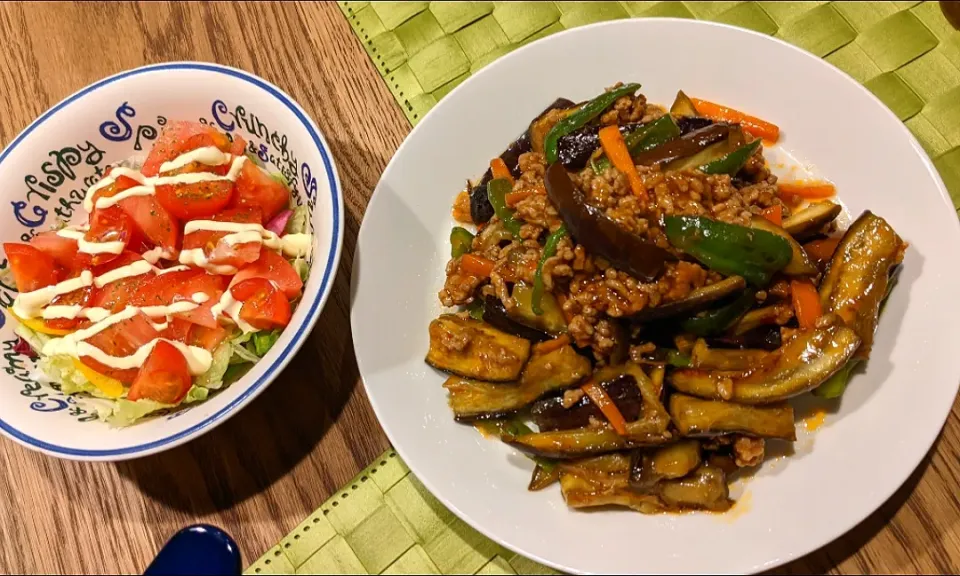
(888,418)
(47,168)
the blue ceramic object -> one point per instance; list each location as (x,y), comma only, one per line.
(198,549)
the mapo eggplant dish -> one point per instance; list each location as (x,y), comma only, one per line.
(638,298)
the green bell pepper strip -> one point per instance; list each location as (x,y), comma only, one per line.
(460,241)
(581,117)
(714,322)
(836,384)
(514,427)
(497,190)
(729,249)
(732,162)
(475,309)
(549,251)
(646,137)
(678,359)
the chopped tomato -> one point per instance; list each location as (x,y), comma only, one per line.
(220,252)
(164,378)
(177,330)
(238,146)
(153,221)
(117,294)
(32,269)
(275,268)
(258,189)
(165,289)
(64,251)
(206,337)
(81,297)
(109,225)
(119,185)
(197,200)
(120,340)
(264,306)
(179,137)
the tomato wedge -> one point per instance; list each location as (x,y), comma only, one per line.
(256,188)
(109,225)
(182,136)
(177,330)
(32,269)
(165,289)
(206,337)
(264,306)
(198,200)
(119,340)
(164,378)
(275,268)
(64,251)
(153,221)
(81,297)
(116,295)
(220,252)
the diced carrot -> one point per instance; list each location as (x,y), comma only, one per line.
(822,250)
(606,405)
(553,344)
(774,214)
(476,265)
(616,150)
(514,198)
(499,169)
(807,190)
(806,303)
(750,124)
(461,208)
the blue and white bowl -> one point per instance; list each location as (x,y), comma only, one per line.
(45,172)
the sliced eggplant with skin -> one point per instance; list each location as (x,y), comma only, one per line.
(543,477)
(474,349)
(800,264)
(706,488)
(703,357)
(776,314)
(698,417)
(686,146)
(856,281)
(697,300)
(551,321)
(496,315)
(811,220)
(735,139)
(688,124)
(545,373)
(575,149)
(683,106)
(550,414)
(674,461)
(766,338)
(600,235)
(800,365)
(537,131)
(581,491)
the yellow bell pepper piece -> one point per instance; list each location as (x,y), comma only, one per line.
(111,387)
(38,325)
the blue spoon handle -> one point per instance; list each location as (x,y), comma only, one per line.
(200,549)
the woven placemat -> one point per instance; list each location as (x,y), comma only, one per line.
(385,521)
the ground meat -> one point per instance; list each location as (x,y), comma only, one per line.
(571,397)
(747,451)
(625,110)
(458,287)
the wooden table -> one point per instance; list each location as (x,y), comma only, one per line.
(259,474)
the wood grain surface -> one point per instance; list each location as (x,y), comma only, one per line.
(263,471)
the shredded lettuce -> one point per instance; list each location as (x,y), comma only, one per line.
(299,222)
(213,378)
(279,177)
(36,340)
(235,372)
(241,353)
(196,394)
(262,342)
(302,268)
(125,412)
(255,159)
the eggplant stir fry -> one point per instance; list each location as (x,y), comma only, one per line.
(637,299)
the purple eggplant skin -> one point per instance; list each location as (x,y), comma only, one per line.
(762,337)
(575,148)
(480,209)
(549,414)
(688,124)
(496,315)
(600,235)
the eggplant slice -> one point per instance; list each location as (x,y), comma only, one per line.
(550,414)
(697,300)
(474,349)
(812,219)
(574,149)
(545,373)
(859,274)
(802,364)
(698,417)
(649,467)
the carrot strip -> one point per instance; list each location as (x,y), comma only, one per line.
(499,169)
(751,124)
(822,250)
(476,265)
(514,198)
(606,405)
(774,214)
(806,303)
(807,191)
(618,153)
(553,344)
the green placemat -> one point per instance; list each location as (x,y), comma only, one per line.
(385,521)
(904,52)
